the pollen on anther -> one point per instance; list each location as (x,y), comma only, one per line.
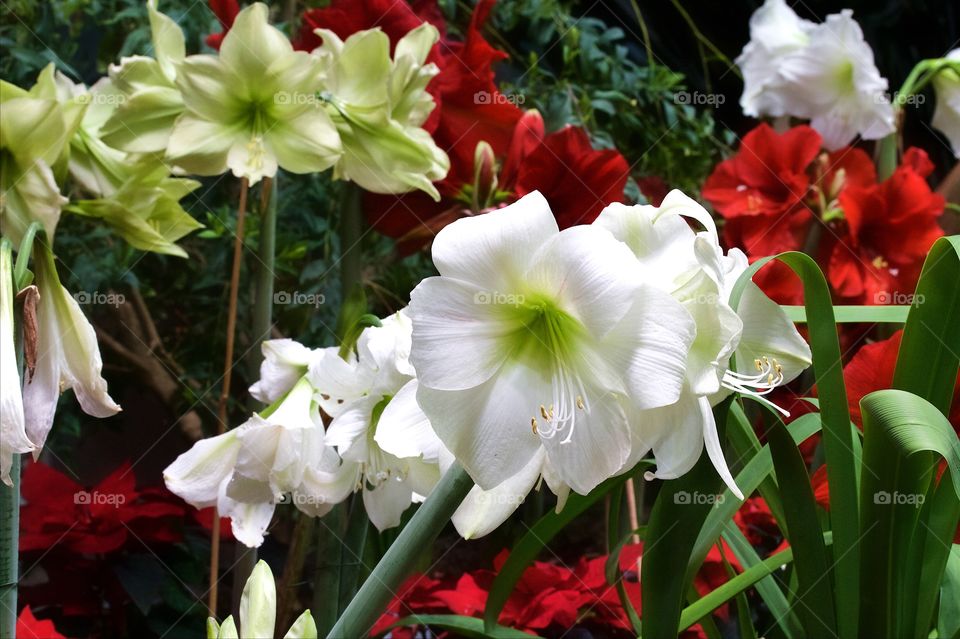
(543,412)
(580,403)
(533,425)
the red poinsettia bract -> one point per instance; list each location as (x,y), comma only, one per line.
(29,627)
(60,512)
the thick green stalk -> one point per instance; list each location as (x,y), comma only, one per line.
(351,231)
(9,544)
(400,558)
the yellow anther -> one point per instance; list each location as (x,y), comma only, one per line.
(580,404)
(533,425)
(543,412)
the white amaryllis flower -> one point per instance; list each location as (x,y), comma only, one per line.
(835,83)
(776,33)
(530,340)
(946,116)
(13,436)
(693,270)
(68,356)
(245,472)
(377,426)
(822,72)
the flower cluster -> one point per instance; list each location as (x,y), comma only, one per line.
(780,192)
(377,440)
(259,104)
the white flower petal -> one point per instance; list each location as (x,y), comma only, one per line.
(493,250)
(483,511)
(385,503)
(488,427)
(768,332)
(285,361)
(711,441)
(404,430)
(457,334)
(199,475)
(598,446)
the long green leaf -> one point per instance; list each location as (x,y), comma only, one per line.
(533,541)
(767,587)
(814,594)
(838,437)
(675,523)
(903,435)
(948,623)
(926,366)
(855,314)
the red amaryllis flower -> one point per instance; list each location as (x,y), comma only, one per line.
(885,234)
(60,512)
(226,12)
(29,627)
(768,175)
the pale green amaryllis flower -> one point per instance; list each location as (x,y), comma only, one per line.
(68,356)
(278,455)
(693,270)
(379,105)
(946,116)
(143,120)
(258,612)
(13,436)
(253,107)
(34,133)
(377,426)
(530,340)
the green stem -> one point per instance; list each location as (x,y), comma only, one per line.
(10,495)
(9,545)
(351,230)
(417,536)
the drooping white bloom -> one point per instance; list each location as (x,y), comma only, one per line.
(822,72)
(695,272)
(68,356)
(245,472)
(13,436)
(285,361)
(530,339)
(776,33)
(946,117)
(377,426)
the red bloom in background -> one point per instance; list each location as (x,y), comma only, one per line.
(29,627)
(885,234)
(226,12)
(59,512)
(768,175)
(395,18)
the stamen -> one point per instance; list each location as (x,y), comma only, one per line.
(533,425)
(769,376)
